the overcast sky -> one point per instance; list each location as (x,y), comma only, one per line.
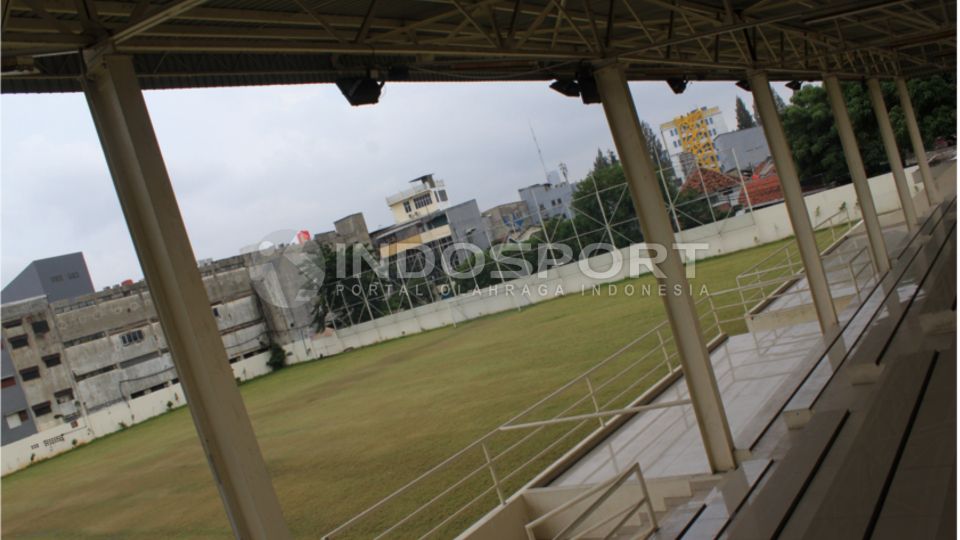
(246,162)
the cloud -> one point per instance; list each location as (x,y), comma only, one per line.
(248,161)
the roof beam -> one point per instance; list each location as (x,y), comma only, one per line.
(157,17)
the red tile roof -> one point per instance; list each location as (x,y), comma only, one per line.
(763,187)
(712,180)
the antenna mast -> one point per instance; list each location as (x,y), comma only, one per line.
(546,176)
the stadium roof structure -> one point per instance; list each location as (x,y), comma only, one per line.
(113,49)
(197,43)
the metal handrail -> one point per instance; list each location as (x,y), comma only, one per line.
(480,441)
(605,489)
(664,343)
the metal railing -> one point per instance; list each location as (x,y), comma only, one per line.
(778,275)
(442,501)
(490,470)
(605,489)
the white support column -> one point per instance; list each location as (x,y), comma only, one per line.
(929,186)
(681,311)
(793,199)
(851,151)
(160,238)
(893,154)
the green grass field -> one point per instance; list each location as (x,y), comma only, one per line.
(340,433)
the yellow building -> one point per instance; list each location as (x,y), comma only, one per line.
(694,133)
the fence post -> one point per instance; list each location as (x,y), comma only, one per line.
(663,347)
(713,309)
(493,473)
(593,397)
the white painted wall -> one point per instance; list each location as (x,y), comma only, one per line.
(734,234)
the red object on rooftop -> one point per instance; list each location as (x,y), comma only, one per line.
(126,282)
(303,237)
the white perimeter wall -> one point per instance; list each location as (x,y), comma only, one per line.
(737,233)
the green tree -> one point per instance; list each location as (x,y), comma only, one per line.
(809,125)
(811,129)
(744,118)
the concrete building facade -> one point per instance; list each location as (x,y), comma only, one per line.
(505,220)
(17,419)
(548,200)
(427,196)
(425,220)
(73,357)
(744,149)
(347,230)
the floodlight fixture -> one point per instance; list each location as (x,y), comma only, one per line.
(677,85)
(588,88)
(567,87)
(360,90)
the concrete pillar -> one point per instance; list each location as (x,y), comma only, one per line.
(793,199)
(681,312)
(929,186)
(893,154)
(160,238)
(878,249)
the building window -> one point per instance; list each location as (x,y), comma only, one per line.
(57,278)
(51,360)
(40,327)
(131,337)
(216,312)
(73,275)
(64,396)
(18,342)
(421,201)
(41,409)
(12,324)
(30,373)
(16,419)
(7,382)
(406,206)
(442,195)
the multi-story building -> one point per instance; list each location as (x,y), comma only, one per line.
(507,220)
(57,278)
(548,200)
(17,418)
(742,149)
(75,356)
(425,220)
(347,230)
(694,132)
(423,199)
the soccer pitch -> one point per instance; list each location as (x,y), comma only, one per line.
(340,433)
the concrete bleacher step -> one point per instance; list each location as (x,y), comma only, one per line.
(920,502)
(772,319)
(763,515)
(663,492)
(724,501)
(917,258)
(843,501)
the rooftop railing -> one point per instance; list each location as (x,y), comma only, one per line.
(416,190)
